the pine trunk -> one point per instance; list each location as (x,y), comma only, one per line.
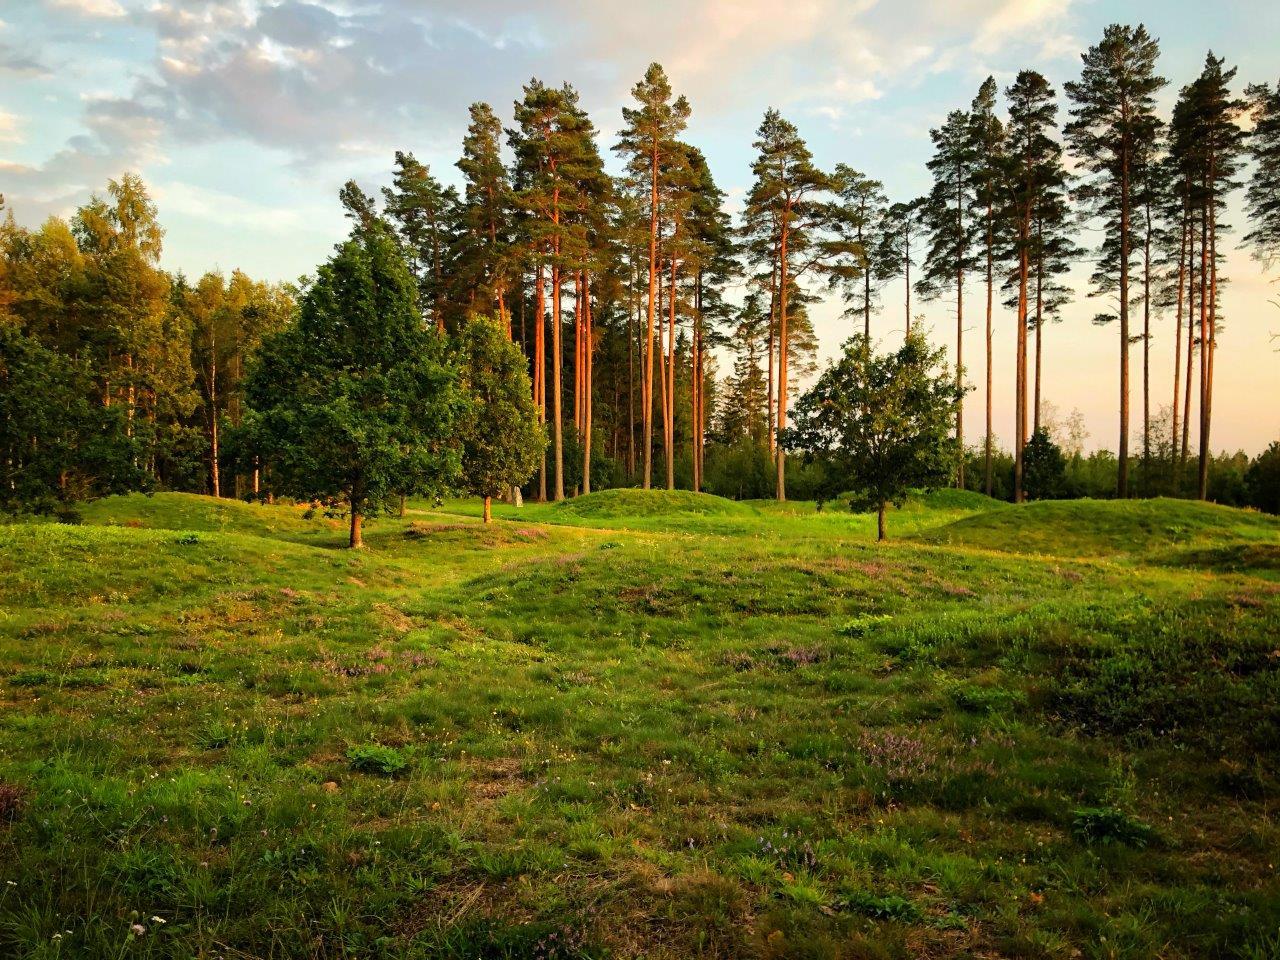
(988,479)
(1020,380)
(782,356)
(647,400)
(540,372)
(1122,474)
(669,434)
(1177,341)
(588,374)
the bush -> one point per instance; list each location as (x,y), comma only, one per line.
(886,907)
(1107,825)
(1044,469)
(1262,480)
(375,758)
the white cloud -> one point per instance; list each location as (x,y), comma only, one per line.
(1014,20)
(105,9)
(224,209)
(10,128)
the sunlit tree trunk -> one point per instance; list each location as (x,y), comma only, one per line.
(988,478)
(782,351)
(669,436)
(540,371)
(588,362)
(647,403)
(1177,338)
(1122,476)
(1202,480)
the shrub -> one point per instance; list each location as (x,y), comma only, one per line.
(1044,469)
(375,758)
(1107,825)
(882,907)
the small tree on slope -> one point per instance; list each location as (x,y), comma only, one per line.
(881,423)
(502,441)
(355,402)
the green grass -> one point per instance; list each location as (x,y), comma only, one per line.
(641,724)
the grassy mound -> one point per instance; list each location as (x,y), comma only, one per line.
(187,511)
(950,499)
(1098,527)
(608,504)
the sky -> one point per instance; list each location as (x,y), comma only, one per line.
(246,116)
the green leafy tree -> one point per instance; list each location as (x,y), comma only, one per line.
(502,441)
(880,423)
(1045,469)
(1113,122)
(57,443)
(1262,480)
(355,402)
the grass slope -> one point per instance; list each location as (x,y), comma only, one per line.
(735,734)
(1104,527)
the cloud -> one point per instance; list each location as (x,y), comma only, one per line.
(19,64)
(224,209)
(341,83)
(106,9)
(1019,20)
(118,137)
(10,128)
(317,79)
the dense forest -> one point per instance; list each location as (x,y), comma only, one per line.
(624,292)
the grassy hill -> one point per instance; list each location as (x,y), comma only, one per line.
(1105,527)
(641,724)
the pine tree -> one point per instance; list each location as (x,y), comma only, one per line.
(483,258)
(1263,196)
(423,212)
(901,232)
(556,158)
(712,265)
(861,218)
(1034,187)
(948,217)
(1112,120)
(647,142)
(743,413)
(1217,150)
(788,208)
(987,134)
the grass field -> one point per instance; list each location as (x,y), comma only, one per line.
(641,725)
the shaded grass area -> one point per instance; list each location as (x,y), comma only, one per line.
(742,733)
